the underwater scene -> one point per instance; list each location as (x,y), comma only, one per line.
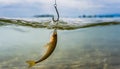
(82,43)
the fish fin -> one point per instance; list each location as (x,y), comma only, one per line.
(47,45)
(31,63)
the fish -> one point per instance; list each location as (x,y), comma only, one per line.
(51,45)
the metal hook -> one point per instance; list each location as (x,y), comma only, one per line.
(55,6)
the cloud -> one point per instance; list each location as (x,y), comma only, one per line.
(8,2)
(66,7)
(84,4)
(65,3)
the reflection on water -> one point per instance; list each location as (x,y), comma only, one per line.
(88,48)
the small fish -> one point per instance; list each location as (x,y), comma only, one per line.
(50,48)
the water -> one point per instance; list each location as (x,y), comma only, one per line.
(91,47)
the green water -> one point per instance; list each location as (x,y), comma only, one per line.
(87,48)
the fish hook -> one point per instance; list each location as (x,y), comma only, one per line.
(55,6)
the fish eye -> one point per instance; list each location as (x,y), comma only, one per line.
(55,35)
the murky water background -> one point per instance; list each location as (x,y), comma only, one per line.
(88,48)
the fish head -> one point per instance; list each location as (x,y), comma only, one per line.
(54,36)
(54,33)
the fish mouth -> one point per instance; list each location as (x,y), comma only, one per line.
(55,31)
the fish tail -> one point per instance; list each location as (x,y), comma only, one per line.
(31,63)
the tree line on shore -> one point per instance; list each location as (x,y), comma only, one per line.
(83,16)
(99,16)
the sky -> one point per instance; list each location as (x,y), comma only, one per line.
(66,8)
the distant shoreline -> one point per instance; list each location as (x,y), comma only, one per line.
(100,16)
(44,15)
